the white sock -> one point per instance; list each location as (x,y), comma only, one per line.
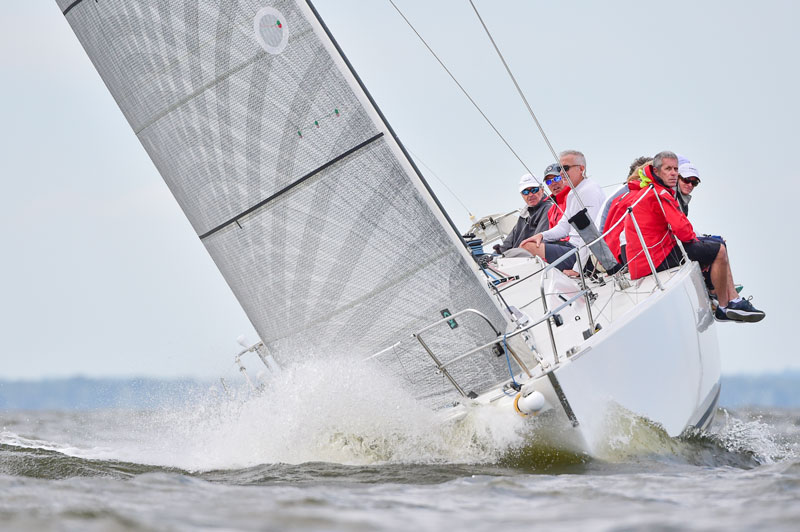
(737,300)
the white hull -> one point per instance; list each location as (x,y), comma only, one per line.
(658,358)
(662,362)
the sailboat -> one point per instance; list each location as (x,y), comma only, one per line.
(329,236)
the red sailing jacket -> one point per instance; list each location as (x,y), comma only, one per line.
(554,214)
(617,211)
(653,222)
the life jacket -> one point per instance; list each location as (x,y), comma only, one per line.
(661,221)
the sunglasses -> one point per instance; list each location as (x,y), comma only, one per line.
(554,179)
(691,180)
(532,190)
(566,167)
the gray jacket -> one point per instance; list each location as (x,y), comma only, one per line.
(532,220)
(683,200)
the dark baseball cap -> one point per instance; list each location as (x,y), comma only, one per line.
(553,169)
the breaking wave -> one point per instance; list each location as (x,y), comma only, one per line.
(350,418)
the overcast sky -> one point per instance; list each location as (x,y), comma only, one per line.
(102,275)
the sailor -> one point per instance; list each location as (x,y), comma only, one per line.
(660,218)
(558,194)
(532,217)
(585,193)
(633,173)
(614,235)
(688,180)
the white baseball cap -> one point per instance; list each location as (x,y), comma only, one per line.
(688,170)
(528,181)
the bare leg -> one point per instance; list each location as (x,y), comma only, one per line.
(533,249)
(722,278)
(732,293)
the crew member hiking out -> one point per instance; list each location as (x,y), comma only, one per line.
(661,221)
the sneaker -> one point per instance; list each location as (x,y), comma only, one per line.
(720,315)
(744,311)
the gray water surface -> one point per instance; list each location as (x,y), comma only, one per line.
(228,469)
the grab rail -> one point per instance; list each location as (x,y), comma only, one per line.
(442,366)
(453,316)
(644,248)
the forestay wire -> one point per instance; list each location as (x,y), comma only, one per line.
(524,99)
(464,91)
(440,180)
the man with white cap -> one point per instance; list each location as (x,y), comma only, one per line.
(532,217)
(688,180)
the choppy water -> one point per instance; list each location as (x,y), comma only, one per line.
(288,461)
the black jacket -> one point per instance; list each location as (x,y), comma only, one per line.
(532,220)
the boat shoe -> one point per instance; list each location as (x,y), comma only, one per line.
(740,311)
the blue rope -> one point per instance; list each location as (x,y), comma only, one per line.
(489,274)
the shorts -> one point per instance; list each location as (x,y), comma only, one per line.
(554,250)
(704,252)
(707,271)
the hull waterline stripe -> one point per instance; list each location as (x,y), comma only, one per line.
(562,398)
(711,409)
(290,186)
(69,7)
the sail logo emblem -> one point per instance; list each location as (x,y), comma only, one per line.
(271,30)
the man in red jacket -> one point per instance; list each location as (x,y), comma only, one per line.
(661,222)
(615,234)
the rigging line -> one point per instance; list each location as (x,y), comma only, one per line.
(441,181)
(463,90)
(524,99)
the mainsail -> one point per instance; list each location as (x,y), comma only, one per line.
(321,225)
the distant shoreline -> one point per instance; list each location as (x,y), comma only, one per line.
(780,390)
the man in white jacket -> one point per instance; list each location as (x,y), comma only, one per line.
(586,194)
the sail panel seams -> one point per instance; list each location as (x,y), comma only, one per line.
(345,260)
(196,144)
(289,187)
(202,89)
(70,6)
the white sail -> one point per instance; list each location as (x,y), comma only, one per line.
(324,230)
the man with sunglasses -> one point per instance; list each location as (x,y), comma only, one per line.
(558,194)
(688,180)
(532,217)
(585,193)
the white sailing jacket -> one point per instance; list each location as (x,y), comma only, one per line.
(592,197)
